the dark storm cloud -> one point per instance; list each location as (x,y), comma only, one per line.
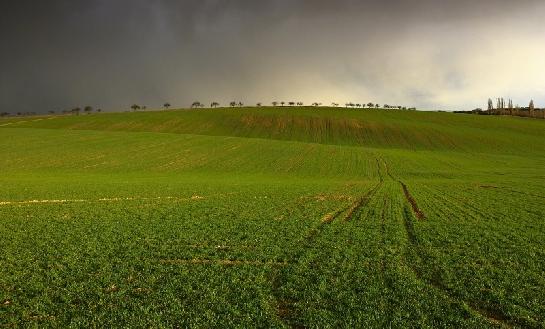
(112,53)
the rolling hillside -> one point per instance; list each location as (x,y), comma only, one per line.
(272,217)
(370,128)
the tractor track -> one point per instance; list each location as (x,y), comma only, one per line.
(417,212)
(494,317)
(361,202)
(410,199)
(284,308)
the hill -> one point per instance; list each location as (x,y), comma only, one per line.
(371,128)
(272,217)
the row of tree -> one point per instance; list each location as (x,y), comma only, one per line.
(198,104)
(502,109)
(75,110)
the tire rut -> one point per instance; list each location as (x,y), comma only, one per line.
(494,317)
(417,212)
(284,307)
(361,202)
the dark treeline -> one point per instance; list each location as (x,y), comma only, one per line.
(501,108)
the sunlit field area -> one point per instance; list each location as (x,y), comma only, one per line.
(272,217)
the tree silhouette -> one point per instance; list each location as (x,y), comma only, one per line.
(196,104)
(282,103)
(258,104)
(275,103)
(76,110)
(3,114)
(233,104)
(166,105)
(240,104)
(214,104)
(490,105)
(88,109)
(291,103)
(531,108)
(370,105)
(99,110)
(135,107)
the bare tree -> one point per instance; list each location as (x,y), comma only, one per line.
(490,105)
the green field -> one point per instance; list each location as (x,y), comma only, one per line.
(272,217)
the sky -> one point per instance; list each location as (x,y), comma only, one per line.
(110,54)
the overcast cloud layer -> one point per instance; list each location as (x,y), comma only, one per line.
(431,54)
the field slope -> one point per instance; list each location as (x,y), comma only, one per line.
(272,217)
